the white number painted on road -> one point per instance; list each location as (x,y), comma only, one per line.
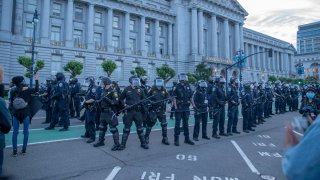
(213,178)
(264,136)
(182,157)
(270,154)
(263,144)
(155,176)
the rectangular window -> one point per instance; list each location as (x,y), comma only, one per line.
(147,46)
(56,9)
(132,25)
(31,5)
(132,44)
(98,18)
(55,33)
(78,37)
(160,30)
(147,28)
(99,70)
(56,65)
(116,22)
(78,14)
(29,29)
(116,41)
(162,49)
(97,40)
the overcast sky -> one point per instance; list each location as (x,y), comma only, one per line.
(280,18)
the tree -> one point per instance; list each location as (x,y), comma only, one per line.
(109,66)
(272,79)
(311,80)
(165,72)
(74,68)
(202,72)
(191,78)
(139,71)
(26,62)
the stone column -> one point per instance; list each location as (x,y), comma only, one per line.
(194,32)
(214,36)
(241,37)
(6,19)
(142,35)
(90,27)
(69,24)
(126,32)
(226,38)
(156,38)
(44,24)
(253,58)
(109,30)
(18,22)
(170,39)
(237,37)
(200,31)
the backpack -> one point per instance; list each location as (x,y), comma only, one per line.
(19,103)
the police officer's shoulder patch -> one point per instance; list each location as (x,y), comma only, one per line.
(139,90)
(115,94)
(60,84)
(93,90)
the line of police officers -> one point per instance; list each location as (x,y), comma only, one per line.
(144,105)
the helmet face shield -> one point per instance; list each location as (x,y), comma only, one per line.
(159,83)
(183,77)
(203,84)
(135,82)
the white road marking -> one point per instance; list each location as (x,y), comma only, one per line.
(113,173)
(245,158)
(297,133)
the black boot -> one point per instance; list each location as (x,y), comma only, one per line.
(101,139)
(188,141)
(99,143)
(165,141)
(146,136)
(164,135)
(144,145)
(176,140)
(124,141)
(116,145)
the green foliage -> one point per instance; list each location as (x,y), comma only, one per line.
(26,62)
(74,68)
(299,81)
(139,71)
(311,80)
(272,79)
(191,78)
(165,72)
(202,72)
(109,66)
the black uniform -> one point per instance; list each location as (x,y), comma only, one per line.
(183,95)
(219,100)
(247,102)
(145,89)
(200,101)
(279,99)
(210,89)
(233,111)
(157,110)
(90,114)
(74,99)
(109,100)
(46,100)
(130,96)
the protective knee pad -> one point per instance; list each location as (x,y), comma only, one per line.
(113,130)
(140,130)
(126,130)
(102,127)
(164,124)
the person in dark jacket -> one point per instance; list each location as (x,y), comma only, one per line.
(21,116)
(5,125)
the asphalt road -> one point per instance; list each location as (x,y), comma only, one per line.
(244,156)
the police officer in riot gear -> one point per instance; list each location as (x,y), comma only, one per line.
(46,99)
(219,99)
(200,104)
(246,102)
(158,98)
(181,102)
(133,99)
(98,112)
(60,105)
(174,84)
(90,109)
(278,94)
(145,88)
(115,86)
(209,95)
(109,100)
(233,103)
(74,97)
(269,100)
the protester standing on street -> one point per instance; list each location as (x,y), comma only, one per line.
(19,104)
(5,122)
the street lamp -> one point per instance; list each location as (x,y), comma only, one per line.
(35,20)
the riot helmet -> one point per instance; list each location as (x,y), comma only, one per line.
(60,76)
